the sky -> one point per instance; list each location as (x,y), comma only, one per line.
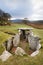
(31,9)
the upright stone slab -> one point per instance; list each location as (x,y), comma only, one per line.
(16,40)
(9,44)
(33,42)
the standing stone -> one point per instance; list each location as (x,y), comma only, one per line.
(33,42)
(16,40)
(38,45)
(9,44)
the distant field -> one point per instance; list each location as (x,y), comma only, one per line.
(13,28)
(36,25)
(17,60)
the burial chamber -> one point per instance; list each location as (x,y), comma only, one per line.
(24,34)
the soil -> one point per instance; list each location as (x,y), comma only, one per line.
(13,50)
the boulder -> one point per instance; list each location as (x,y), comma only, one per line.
(5,55)
(35,53)
(19,51)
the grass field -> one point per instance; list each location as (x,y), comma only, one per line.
(18,60)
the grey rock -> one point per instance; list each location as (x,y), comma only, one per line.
(5,55)
(8,44)
(33,42)
(16,40)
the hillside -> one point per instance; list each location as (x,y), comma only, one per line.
(36,24)
(18,60)
(4,18)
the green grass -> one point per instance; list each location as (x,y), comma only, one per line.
(3,38)
(18,60)
(13,28)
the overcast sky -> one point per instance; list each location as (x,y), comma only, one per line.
(31,9)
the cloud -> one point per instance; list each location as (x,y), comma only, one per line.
(32,9)
(12,4)
(19,8)
(37,6)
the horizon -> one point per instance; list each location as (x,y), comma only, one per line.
(12,18)
(31,9)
